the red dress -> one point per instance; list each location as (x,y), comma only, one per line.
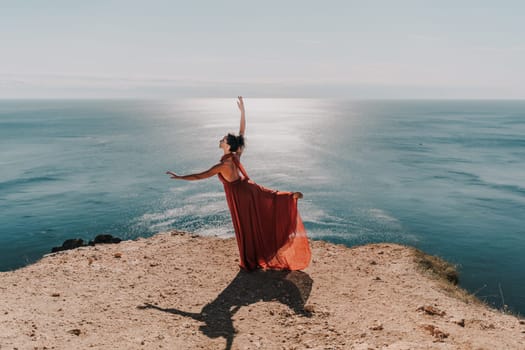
(269,230)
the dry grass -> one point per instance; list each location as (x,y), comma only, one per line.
(445,273)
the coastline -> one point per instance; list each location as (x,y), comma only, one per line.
(179,290)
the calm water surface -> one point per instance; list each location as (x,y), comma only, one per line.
(445,176)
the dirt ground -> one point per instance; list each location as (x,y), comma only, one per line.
(181,291)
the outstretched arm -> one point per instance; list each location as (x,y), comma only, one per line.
(240,104)
(214,170)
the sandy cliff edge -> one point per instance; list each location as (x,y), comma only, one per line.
(181,291)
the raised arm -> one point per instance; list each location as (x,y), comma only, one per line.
(214,170)
(240,104)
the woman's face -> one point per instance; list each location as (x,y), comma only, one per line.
(223,144)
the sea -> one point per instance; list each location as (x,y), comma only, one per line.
(445,176)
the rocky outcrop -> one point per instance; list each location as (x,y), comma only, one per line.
(182,291)
(79,242)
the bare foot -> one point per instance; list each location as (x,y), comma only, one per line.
(297,195)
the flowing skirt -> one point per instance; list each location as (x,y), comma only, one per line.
(269,231)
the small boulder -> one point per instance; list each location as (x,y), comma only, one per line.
(75,331)
(431,310)
(104,239)
(69,244)
(78,242)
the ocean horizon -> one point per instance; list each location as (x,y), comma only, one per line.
(444,176)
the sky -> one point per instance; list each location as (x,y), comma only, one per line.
(342,49)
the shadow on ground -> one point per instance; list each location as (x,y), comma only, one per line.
(291,288)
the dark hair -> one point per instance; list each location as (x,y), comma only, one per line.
(235,142)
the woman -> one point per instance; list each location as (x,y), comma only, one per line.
(269,231)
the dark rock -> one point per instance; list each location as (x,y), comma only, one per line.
(69,244)
(104,239)
(78,242)
(460,322)
(75,331)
